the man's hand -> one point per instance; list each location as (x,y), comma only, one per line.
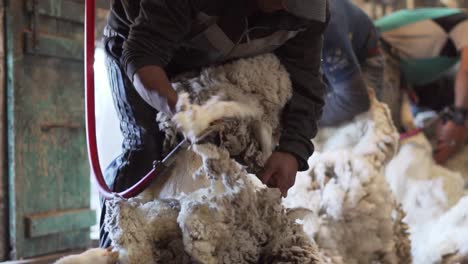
(280,171)
(153,85)
(450,138)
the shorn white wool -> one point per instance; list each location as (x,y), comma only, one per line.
(196,118)
(425,189)
(444,239)
(432,197)
(343,201)
(226,217)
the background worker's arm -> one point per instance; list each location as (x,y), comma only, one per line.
(451,136)
(461,81)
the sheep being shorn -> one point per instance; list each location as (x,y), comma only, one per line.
(208,209)
(344,202)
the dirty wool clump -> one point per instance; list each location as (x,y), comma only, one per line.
(209,209)
(344,202)
(145,232)
(235,222)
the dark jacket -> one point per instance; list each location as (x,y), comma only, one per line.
(182,35)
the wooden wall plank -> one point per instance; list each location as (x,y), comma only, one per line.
(56,222)
(61,9)
(47,168)
(3,176)
(13,22)
(49,45)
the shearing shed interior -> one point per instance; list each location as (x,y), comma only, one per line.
(234,131)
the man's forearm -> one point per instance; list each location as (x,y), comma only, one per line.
(153,85)
(461,82)
(461,88)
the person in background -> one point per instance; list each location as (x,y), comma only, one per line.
(149,41)
(352,63)
(428,43)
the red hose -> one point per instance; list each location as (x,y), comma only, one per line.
(91,117)
(410,133)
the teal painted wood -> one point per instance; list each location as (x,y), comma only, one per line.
(38,225)
(49,45)
(62,9)
(48,171)
(10,72)
(3,175)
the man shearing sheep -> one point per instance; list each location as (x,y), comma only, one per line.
(149,41)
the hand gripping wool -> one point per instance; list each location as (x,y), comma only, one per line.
(208,209)
(344,202)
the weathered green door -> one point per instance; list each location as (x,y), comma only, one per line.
(48,175)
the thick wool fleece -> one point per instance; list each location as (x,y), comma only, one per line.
(344,202)
(213,211)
